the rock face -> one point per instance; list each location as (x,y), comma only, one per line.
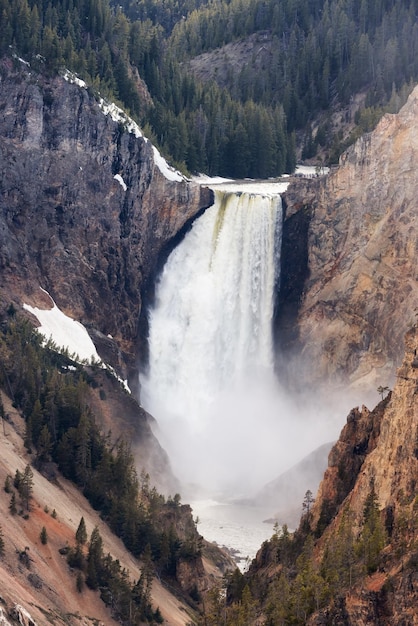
(379,448)
(361,293)
(385,442)
(67,224)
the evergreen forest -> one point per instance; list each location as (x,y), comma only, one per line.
(52,391)
(290,580)
(316,55)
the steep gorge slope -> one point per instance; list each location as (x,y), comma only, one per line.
(37,576)
(360,270)
(385,442)
(88,210)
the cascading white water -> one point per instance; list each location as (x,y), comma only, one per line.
(210,341)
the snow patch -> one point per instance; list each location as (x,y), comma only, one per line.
(169,172)
(69,334)
(72,78)
(311,171)
(23,616)
(3,619)
(65,332)
(120,180)
(119,116)
(21,60)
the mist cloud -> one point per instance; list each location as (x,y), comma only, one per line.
(248,435)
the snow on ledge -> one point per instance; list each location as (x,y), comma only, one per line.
(69,334)
(65,332)
(118,115)
(15,56)
(169,172)
(120,180)
(72,78)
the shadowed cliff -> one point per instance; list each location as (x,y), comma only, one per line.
(67,224)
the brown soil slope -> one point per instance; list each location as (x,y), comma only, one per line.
(42,582)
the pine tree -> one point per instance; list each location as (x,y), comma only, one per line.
(44,445)
(145,580)
(94,559)
(43,536)
(214,606)
(17,479)
(81,533)
(8,484)
(372,538)
(1,543)
(278,600)
(308,502)
(26,487)
(339,562)
(12,505)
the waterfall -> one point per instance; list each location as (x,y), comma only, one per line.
(210,335)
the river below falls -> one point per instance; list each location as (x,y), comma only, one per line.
(237,527)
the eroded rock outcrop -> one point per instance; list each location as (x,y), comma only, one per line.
(85,211)
(378,450)
(388,441)
(361,293)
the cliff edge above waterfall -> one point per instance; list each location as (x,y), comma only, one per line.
(357,281)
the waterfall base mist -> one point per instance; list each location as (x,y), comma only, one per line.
(248,436)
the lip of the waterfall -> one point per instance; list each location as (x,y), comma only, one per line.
(272,186)
(262,188)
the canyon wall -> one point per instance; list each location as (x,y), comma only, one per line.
(67,224)
(95,242)
(378,450)
(360,293)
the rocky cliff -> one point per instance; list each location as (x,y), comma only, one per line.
(87,207)
(378,450)
(379,447)
(359,294)
(96,215)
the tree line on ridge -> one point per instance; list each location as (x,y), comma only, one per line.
(320,54)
